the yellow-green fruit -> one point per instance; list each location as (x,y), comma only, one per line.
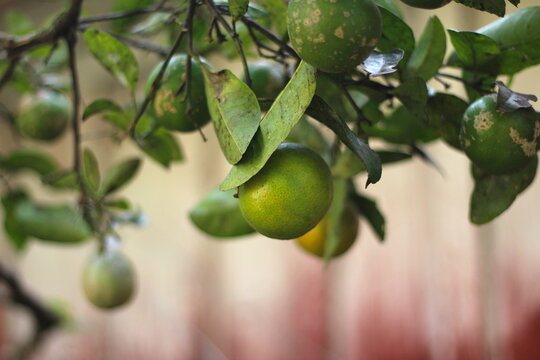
(499,142)
(426,4)
(334,36)
(168,109)
(109,280)
(267,79)
(289,195)
(314,242)
(43,116)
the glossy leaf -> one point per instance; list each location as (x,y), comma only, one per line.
(114,56)
(496,7)
(62,181)
(27,159)
(429,52)
(54,223)
(99,106)
(395,34)
(445,113)
(492,195)
(120,175)
(218,214)
(349,165)
(413,95)
(13,228)
(162,147)
(369,210)
(390,5)
(90,171)
(287,109)
(234,110)
(518,35)
(473,50)
(320,111)
(238,8)
(123,24)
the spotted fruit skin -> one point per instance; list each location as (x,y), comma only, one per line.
(426,4)
(334,35)
(499,142)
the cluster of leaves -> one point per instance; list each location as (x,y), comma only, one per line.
(387,98)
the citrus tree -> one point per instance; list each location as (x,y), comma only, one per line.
(320,80)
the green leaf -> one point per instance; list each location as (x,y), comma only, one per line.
(413,95)
(54,223)
(335,213)
(445,113)
(13,228)
(234,110)
(27,159)
(17,23)
(320,111)
(277,13)
(473,50)
(120,175)
(492,195)
(238,8)
(287,109)
(496,7)
(395,34)
(218,214)
(152,25)
(62,181)
(518,35)
(122,25)
(90,172)
(162,147)
(118,204)
(114,56)
(349,165)
(428,55)
(369,210)
(99,106)
(305,133)
(391,6)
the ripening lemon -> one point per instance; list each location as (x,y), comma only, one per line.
(43,116)
(109,280)
(334,36)
(167,108)
(499,142)
(289,195)
(314,242)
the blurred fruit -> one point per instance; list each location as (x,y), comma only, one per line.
(289,195)
(499,142)
(43,116)
(334,36)
(108,279)
(314,242)
(267,79)
(167,108)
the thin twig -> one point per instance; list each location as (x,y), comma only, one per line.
(270,36)
(8,73)
(234,36)
(44,319)
(125,14)
(156,83)
(359,112)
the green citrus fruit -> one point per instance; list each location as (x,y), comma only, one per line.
(289,195)
(267,79)
(314,241)
(168,109)
(426,4)
(499,142)
(43,116)
(334,36)
(109,279)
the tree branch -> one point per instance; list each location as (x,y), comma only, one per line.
(125,14)
(270,36)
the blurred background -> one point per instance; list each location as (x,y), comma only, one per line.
(437,288)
